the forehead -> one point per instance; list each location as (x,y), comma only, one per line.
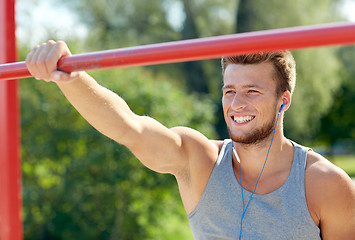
(262,74)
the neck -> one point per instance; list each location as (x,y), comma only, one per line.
(252,156)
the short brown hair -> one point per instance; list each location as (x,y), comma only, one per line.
(283,62)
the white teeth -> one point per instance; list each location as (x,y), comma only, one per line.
(242,119)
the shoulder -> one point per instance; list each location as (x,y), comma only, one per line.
(322,171)
(326,177)
(193,138)
(330,194)
(319,167)
(200,151)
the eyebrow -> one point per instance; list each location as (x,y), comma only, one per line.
(227,86)
(244,86)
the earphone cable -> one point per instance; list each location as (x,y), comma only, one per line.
(240,178)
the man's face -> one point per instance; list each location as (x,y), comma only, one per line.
(249,101)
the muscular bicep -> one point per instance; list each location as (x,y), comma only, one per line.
(330,196)
(337,214)
(162,149)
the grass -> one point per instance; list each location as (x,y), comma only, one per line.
(345,162)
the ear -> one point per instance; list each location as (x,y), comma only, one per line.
(285,101)
(282,106)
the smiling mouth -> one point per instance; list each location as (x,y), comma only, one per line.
(243,119)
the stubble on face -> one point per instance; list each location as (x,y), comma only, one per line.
(256,136)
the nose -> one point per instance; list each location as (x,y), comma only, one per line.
(238,102)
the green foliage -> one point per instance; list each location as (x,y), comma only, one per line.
(124,23)
(345,162)
(318,80)
(338,125)
(78,184)
(279,14)
(318,77)
(81,185)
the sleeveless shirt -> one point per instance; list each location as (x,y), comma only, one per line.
(281,214)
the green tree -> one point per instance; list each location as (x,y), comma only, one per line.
(79,184)
(124,23)
(338,125)
(317,69)
(195,75)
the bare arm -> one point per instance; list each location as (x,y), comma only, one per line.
(333,193)
(338,212)
(159,148)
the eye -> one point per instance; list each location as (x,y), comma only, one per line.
(228,92)
(253,91)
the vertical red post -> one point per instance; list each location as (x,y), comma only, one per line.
(10,166)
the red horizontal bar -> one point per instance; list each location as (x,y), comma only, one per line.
(199,49)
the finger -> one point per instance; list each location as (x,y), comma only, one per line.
(43,59)
(30,54)
(63,77)
(64,49)
(51,56)
(30,62)
(44,64)
(37,68)
(56,53)
(59,76)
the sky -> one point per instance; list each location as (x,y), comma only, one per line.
(349,10)
(44,14)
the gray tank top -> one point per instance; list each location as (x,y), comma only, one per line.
(281,214)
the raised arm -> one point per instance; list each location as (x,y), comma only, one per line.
(157,147)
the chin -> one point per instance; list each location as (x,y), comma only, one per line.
(254,137)
(249,140)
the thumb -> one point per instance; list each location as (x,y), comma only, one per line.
(63,77)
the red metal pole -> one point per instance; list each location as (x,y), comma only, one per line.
(10,169)
(199,49)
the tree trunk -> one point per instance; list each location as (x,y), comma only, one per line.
(195,76)
(245,16)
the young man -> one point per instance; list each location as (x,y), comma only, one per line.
(259,185)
